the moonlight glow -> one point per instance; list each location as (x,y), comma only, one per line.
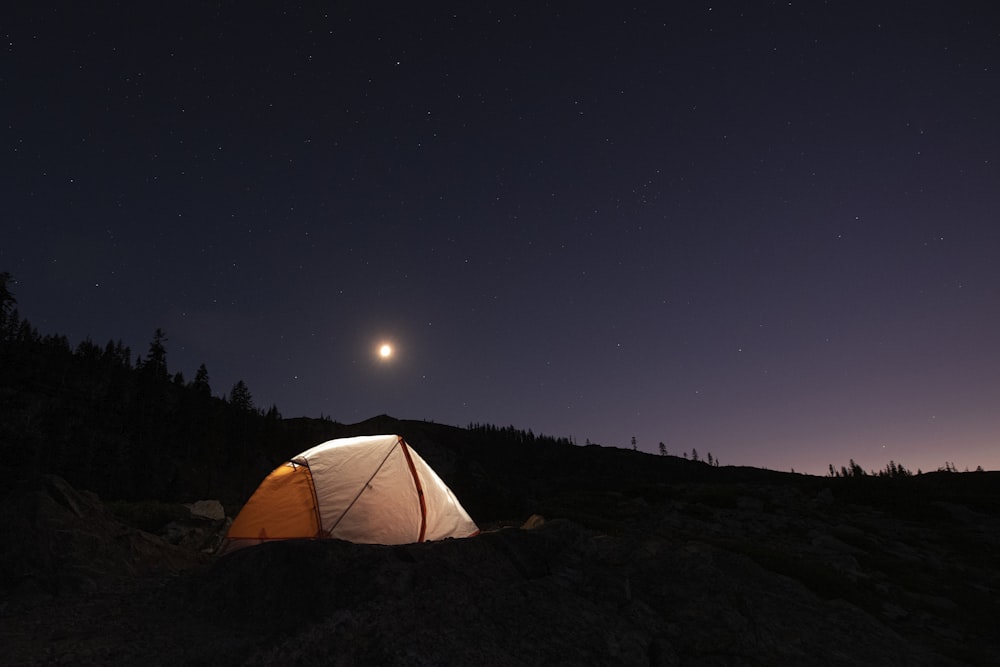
(385,351)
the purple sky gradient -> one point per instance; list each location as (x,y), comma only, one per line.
(770,233)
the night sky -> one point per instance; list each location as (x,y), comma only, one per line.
(769,231)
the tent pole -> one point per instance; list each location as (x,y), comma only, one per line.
(420,490)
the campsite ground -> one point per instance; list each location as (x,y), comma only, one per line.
(730,572)
(137,620)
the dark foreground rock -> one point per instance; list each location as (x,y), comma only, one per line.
(558,595)
(735,574)
(58,540)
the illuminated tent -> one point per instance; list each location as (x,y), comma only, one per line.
(369,489)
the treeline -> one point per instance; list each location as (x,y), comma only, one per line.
(852,469)
(125,428)
(510,435)
(892,470)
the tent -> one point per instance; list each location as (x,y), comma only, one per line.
(368,489)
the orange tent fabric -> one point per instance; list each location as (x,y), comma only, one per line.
(283,506)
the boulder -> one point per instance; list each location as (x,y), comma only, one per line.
(207,509)
(63,540)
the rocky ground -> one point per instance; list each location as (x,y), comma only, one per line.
(689,574)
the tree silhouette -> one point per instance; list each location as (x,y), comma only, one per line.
(200,382)
(240,398)
(894,469)
(155,364)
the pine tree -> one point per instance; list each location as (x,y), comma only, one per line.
(200,383)
(155,364)
(856,470)
(239,397)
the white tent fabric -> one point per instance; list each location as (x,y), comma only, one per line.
(377,490)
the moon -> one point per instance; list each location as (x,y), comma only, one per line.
(385,351)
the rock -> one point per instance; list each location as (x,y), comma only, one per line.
(750,503)
(829,543)
(558,594)
(204,531)
(197,533)
(68,542)
(708,580)
(207,509)
(824,497)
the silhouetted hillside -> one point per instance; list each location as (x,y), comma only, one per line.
(128,427)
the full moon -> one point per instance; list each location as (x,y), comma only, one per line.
(385,351)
